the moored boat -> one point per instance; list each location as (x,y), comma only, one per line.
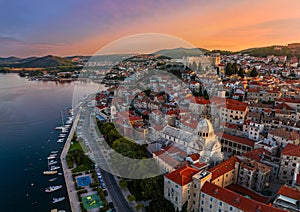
(49,172)
(59,199)
(53,188)
(52,168)
(60,140)
(52,162)
(52,179)
(51,157)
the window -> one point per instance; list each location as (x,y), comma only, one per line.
(210,206)
(202,195)
(202,202)
(220,204)
(211,199)
(230,208)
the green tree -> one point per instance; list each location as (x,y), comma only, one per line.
(160,205)
(123,183)
(241,73)
(228,69)
(234,68)
(139,207)
(205,94)
(254,72)
(131,198)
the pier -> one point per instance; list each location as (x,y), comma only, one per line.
(72,193)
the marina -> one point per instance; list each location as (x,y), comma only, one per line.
(32,137)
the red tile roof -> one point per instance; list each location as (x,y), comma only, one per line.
(194,156)
(199,165)
(232,104)
(202,101)
(183,175)
(244,191)
(254,154)
(223,167)
(298,179)
(289,192)
(236,200)
(236,139)
(283,106)
(285,134)
(291,150)
(290,100)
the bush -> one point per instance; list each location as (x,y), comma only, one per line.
(131,198)
(92,185)
(78,187)
(139,207)
(123,183)
(104,201)
(82,191)
(82,207)
(79,197)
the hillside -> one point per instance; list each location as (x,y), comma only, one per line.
(270,50)
(48,61)
(44,62)
(180,52)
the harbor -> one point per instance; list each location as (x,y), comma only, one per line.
(28,138)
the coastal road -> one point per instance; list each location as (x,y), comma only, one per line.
(93,143)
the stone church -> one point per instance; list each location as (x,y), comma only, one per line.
(203,142)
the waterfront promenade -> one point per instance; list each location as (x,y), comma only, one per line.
(74,202)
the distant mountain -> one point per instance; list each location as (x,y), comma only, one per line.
(277,50)
(9,60)
(181,52)
(48,61)
(268,50)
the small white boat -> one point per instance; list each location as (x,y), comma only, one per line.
(59,128)
(51,157)
(55,200)
(59,173)
(60,140)
(62,135)
(52,168)
(49,172)
(52,163)
(53,188)
(54,152)
(52,179)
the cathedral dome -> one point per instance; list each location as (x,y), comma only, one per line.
(205,128)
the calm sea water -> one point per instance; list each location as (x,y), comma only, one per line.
(29,111)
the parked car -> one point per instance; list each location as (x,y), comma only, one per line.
(105,193)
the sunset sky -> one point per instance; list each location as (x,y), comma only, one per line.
(82,27)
